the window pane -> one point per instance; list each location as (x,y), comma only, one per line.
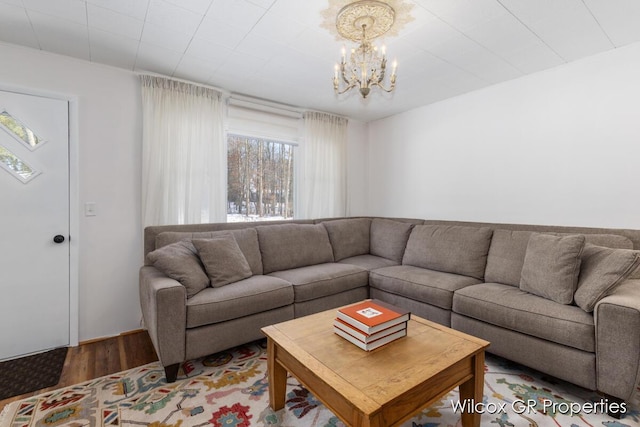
(19,130)
(259,179)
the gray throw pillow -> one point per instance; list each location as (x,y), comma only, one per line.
(551,266)
(602,270)
(180,262)
(223,260)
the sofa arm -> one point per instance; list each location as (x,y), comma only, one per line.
(617,319)
(163,303)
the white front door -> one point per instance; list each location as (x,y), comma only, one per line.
(34,224)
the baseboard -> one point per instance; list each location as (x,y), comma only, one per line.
(122,334)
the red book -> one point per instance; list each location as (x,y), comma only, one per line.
(373,315)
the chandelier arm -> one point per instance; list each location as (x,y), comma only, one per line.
(381,86)
(347,81)
(345,90)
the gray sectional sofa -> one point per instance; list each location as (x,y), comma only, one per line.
(562,300)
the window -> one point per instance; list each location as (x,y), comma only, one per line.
(259,179)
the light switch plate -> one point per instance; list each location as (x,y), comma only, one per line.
(90,209)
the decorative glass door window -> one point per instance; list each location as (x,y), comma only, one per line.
(19,130)
(16,167)
(9,161)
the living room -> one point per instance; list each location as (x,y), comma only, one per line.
(554,147)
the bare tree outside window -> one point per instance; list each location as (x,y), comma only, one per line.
(259,179)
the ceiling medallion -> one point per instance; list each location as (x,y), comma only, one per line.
(361,22)
(402,16)
(377,17)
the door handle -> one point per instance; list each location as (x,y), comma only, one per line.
(58,238)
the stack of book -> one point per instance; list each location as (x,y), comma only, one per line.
(371,323)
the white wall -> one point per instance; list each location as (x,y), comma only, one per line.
(108,131)
(557,147)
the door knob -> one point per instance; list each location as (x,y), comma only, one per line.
(58,238)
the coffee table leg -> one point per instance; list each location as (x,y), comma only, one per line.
(277,377)
(473,389)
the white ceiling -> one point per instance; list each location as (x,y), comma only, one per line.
(279,51)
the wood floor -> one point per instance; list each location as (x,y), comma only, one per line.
(98,358)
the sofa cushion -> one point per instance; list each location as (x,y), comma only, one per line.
(180,262)
(349,237)
(512,308)
(369,262)
(247,239)
(551,266)
(449,248)
(420,284)
(288,246)
(388,238)
(246,297)
(601,270)
(506,256)
(508,248)
(223,260)
(321,280)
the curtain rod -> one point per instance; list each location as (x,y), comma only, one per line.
(149,73)
(246,101)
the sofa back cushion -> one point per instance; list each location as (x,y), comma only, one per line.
(288,246)
(349,237)
(449,248)
(388,238)
(506,256)
(508,248)
(247,239)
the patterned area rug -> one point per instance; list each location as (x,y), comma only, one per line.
(230,389)
(29,373)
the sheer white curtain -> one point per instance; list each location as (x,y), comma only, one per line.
(323,190)
(183,153)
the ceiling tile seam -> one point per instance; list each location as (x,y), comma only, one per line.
(191,39)
(254,25)
(463,34)
(144,22)
(532,32)
(33,29)
(468,38)
(86,15)
(599,25)
(243,38)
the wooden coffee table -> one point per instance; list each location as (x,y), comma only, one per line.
(383,387)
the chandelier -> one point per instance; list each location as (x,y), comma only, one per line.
(366,67)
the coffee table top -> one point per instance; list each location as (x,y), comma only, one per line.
(371,380)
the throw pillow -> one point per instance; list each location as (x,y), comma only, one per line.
(602,270)
(180,262)
(223,260)
(551,266)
